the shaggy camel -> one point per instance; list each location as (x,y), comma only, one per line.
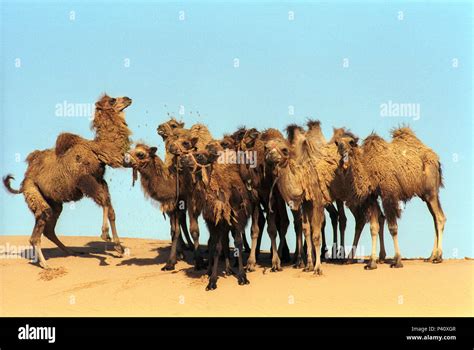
(303,183)
(73,169)
(342,191)
(226,205)
(394,171)
(315,139)
(171,131)
(260,179)
(159,183)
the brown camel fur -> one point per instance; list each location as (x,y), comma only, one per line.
(159,183)
(179,143)
(394,171)
(73,169)
(341,190)
(261,179)
(226,205)
(315,139)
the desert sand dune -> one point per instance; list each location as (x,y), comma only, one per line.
(99,284)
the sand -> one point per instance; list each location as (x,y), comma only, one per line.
(102,284)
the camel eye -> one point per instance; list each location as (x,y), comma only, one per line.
(112,101)
(353,143)
(140,155)
(186,144)
(173,126)
(285,151)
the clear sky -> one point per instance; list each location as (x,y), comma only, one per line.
(240,63)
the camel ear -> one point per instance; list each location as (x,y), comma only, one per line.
(181,124)
(153,151)
(254,134)
(337,143)
(194,141)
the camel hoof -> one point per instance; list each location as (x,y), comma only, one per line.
(309,268)
(168,267)
(105,237)
(212,285)
(119,249)
(299,264)
(276,269)
(242,279)
(251,267)
(45,266)
(372,265)
(437,260)
(318,272)
(396,265)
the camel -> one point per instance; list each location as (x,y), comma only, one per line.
(394,171)
(341,190)
(226,205)
(261,179)
(159,183)
(315,139)
(73,169)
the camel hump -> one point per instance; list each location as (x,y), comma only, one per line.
(65,141)
(403,133)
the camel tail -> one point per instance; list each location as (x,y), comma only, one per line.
(6,183)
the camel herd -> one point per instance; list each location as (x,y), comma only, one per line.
(249,175)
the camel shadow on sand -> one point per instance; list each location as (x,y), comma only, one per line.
(92,250)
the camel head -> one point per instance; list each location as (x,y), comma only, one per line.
(195,160)
(239,134)
(249,138)
(277,152)
(295,133)
(139,158)
(168,128)
(228,142)
(181,144)
(346,143)
(115,104)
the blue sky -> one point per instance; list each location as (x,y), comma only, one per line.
(401,52)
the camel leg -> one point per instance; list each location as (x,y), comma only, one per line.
(99,192)
(359,226)
(226,251)
(261,227)
(342,228)
(105,225)
(317,216)
(272,232)
(184,227)
(42,212)
(393,228)
(307,236)
(382,253)
(215,252)
(49,229)
(283,224)
(194,227)
(241,275)
(174,222)
(374,231)
(252,260)
(297,222)
(333,214)
(439,221)
(323,234)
